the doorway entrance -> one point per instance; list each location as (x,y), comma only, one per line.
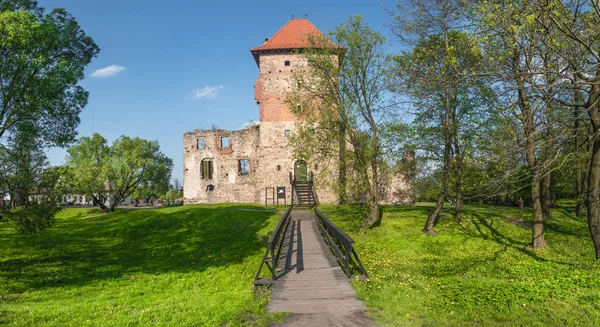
(300,171)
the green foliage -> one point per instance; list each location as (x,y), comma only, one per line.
(481,272)
(32,218)
(128,167)
(22,161)
(340,98)
(43,59)
(177,266)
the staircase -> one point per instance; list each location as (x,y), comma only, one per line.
(305,196)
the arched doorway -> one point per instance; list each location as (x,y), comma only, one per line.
(300,172)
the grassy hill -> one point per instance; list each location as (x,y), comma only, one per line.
(184,266)
(477,273)
(194,265)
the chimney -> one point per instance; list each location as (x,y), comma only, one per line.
(266,40)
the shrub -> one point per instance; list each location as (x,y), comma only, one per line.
(32,218)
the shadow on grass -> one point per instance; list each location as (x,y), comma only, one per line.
(84,248)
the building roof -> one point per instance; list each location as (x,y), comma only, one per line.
(292,36)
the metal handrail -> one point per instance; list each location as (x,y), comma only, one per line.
(273,251)
(340,244)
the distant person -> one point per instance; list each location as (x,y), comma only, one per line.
(521,203)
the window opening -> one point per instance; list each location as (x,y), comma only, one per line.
(287,63)
(286,132)
(200,144)
(278,167)
(207,169)
(224,141)
(244,167)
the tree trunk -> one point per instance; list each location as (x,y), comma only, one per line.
(580,174)
(549,142)
(594,169)
(538,240)
(373,200)
(101,204)
(546,195)
(342,164)
(458,170)
(594,195)
(432,218)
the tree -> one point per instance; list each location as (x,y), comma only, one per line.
(110,174)
(341,96)
(42,60)
(575,38)
(177,185)
(533,80)
(437,74)
(22,162)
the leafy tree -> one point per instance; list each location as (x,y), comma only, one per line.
(575,38)
(341,97)
(531,78)
(437,74)
(42,60)
(22,162)
(110,174)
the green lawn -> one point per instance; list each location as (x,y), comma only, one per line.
(478,273)
(194,265)
(182,266)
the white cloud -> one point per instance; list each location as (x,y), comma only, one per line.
(109,71)
(209,92)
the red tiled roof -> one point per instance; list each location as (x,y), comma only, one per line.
(293,35)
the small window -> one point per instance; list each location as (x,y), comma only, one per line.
(207,169)
(286,132)
(278,167)
(200,144)
(244,167)
(224,141)
(299,107)
(287,62)
(299,84)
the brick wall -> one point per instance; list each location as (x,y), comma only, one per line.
(275,78)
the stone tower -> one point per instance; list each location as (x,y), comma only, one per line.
(277,59)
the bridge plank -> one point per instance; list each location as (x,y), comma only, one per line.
(311,281)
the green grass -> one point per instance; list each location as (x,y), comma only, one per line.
(481,272)
(179,266)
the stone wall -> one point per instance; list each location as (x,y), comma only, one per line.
(227,184)
(270,165)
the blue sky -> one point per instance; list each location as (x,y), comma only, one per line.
(167,68)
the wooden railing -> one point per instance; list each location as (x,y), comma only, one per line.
(274,245)
(340,244)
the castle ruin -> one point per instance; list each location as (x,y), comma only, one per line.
(248,165)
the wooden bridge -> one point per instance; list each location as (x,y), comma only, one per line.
(310,262)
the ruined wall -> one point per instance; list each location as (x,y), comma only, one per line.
(396,189)
(270,165)
(228,184)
